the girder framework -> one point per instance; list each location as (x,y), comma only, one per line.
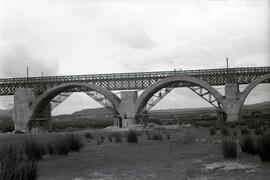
(137,80)
(59,99)
(100,99)
(206,95)
(157,97)
(93,94)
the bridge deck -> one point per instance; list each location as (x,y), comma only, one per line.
(136,80)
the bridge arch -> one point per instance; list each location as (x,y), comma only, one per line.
(251,86)
(44,99)
(150,91)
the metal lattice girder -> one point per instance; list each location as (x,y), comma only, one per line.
(157,97)
(136,80)
(59,99)
(206,95)
(100,99)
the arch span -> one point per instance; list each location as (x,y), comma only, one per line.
(46,97)
(150,91)
(251,86)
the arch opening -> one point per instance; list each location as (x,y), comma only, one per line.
(44,99)
(187,81)
(252,85)
(253,113)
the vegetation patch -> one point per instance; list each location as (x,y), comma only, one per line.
(15,166)
(132,136)
(33,149)
(75,142)
(264,147)
(229,148)
(247,145)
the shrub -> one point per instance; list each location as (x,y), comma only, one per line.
(132,137)
(75,142)
(15,166)
(212,131)
(149,137)
(168,136)
(229,148)
(110,139)
(33,149)
(244,131)
(61,145)
(235,132)
(258,131)
(264,147)
(118,137)
(247,145)
(98,142)
(186,138)
(157,137)
(225,131)
(88,136)
(51,149)
(102,138)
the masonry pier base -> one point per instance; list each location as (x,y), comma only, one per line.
(24,101)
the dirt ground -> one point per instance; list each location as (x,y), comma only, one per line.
(154,159)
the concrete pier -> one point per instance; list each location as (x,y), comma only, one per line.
(127,108)
(231,103)
(24,100)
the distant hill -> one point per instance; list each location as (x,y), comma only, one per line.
(5,113)
(263,105)
(92,112)
(103,111)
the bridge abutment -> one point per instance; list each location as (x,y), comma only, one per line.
(127,108)
(232,104)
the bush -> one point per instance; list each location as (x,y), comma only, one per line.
(229,148)
(132,137)
(212,131)
(247,145)
(225,131)
(149,137)
(110,139)
(186,138)
(88,136)
(102,138)
(244,131)
(258,131)
(118,137)
(235,132)
(75,142)
(15,166)
(33,149)
(51,149)
(61,145)
(157,137)
(264,147)
(168,136)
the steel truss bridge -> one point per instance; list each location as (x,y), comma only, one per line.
(136,80)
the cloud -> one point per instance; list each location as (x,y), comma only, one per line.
(15,56)
(133,37)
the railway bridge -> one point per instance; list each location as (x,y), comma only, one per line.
(35,97)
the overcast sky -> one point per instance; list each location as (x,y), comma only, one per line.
(97,36)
